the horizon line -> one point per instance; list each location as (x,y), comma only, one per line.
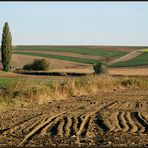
(76,45)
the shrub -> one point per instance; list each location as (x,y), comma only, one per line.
(27,67)
(100,67)
(38,64)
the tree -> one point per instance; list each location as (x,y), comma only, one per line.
(6,48)
(100,67)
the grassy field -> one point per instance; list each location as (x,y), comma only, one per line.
(78,50)
(139,60)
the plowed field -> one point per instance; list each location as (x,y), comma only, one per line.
(118,118)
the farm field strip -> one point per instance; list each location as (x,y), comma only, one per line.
(85,51)
(63,54)
(139,60)
(74,59)
(128,57)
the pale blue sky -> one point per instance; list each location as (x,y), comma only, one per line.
(76,23)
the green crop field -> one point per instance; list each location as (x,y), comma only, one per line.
(78,50)
(144,50)
(74,59)
(139,60)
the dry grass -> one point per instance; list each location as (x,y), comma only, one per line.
(21,93)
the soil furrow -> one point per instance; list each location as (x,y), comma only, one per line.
(76,124)
(122,121)
(100,123)
(137,115)
(72,128)
(60,128)
(15,127)
(115,121)
(132,127)
(83,125)
(68,126)
(37,128)
(65,123)
(141,129)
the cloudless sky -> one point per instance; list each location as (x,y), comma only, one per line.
(76,23)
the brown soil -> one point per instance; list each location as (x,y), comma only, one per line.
(118,118)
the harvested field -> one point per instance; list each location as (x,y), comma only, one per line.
(116,118)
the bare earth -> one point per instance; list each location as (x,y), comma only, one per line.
(118,118)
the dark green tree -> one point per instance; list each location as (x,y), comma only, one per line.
(6,48)
(100,67)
